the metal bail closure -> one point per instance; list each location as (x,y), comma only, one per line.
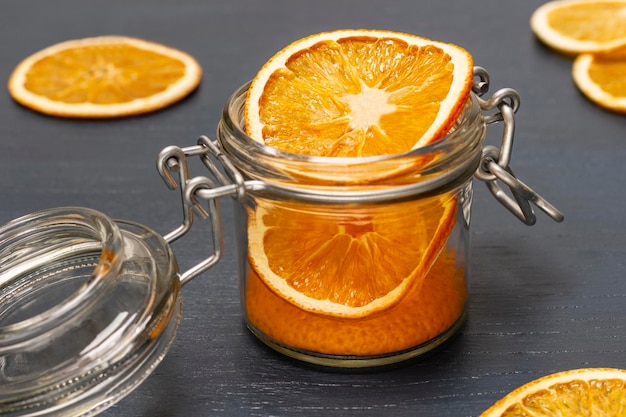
(173,159)
(495,167)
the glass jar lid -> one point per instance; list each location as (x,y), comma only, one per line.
(88,307)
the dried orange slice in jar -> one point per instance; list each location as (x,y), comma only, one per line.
(580,26)
(103,77)
(587,392)
(358,93)
(347,262)
(602,78)
(366,282)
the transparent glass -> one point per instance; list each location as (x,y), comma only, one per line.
(88,308)
(354,262)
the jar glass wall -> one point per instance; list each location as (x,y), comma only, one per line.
(354,262)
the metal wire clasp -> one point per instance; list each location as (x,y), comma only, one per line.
(173,159)
(494,166)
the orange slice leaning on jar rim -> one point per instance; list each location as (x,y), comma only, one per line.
(356,93)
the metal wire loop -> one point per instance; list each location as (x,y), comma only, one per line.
(522,194)
(490,153)
(495,162)
(481,85)
(173,159)
(505,97)
(234,176)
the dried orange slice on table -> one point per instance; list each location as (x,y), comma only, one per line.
(602,78)
(580,26)
(588,392)
(101,77)
(596,31)
(327,278)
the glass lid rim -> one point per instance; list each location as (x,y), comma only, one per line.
(109,241)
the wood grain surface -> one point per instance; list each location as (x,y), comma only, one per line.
(543,298)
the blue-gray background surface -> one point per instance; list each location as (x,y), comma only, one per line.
(544,298)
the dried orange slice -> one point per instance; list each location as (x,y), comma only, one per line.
(107,76)
(347,261)
(579,26)
(575,393)
(602,78)
(355,93)
(425,312)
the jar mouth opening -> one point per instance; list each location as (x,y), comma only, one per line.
(233,116)
(55,262)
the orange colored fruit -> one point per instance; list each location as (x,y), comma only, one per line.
(356,93)
(588,392)
(344,261)
(602,78)
(428,310)
(107,76)
(580,26)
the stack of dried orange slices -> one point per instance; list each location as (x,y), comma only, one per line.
(323,278)
(595,31)
(104,77)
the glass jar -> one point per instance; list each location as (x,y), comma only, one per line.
(354,261)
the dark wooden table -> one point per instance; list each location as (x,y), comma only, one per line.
(543,298)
